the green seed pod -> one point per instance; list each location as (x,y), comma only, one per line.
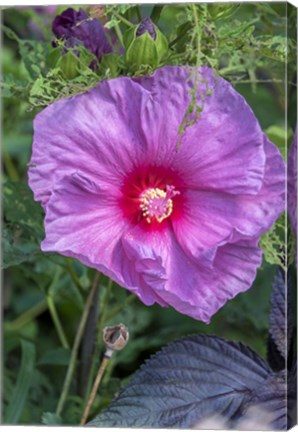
(145,45)
(68,63)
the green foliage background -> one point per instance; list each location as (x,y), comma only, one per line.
(44,295)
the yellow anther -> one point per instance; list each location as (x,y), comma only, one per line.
(157,204)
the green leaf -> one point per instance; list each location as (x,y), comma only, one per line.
(16,250)
(62,289)
(10,33)
(19,205)
(49,418)
(112,23)
(36,89)
(221,11)
(23,384)
(236,28)
(279,136)
(59,357)
(273,244)
(23,227)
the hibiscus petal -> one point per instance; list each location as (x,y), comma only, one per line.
(183,284)
(214,148)
(99,133)
(200,292)
(83,221)
(210,219)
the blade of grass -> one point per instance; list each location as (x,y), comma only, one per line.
(23,383)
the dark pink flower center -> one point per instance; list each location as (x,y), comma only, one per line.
(156,204)
(151,194)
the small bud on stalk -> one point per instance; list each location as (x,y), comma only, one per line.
(115,338)
(145,45)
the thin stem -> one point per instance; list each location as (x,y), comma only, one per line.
(119,34)
(73,275)
(175,56)
(69,269)
(57,323)
(9,166)
(104,305)
(28,316)
(198,30)
(248,81)
(103,310)
(171,44)
(122,19)
(75,348)
(88,346)
(96,384)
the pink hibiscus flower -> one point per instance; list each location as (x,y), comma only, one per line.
(178,228)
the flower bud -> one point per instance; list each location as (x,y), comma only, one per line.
(68,64)
(115,338)
(145,45)
(78,28)
(146,26)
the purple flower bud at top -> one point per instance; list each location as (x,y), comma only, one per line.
(77,27)
(146,25)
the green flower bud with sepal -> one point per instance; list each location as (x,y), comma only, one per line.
(145,45)
(68,64)
(71,62)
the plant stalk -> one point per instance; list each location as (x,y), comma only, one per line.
(124,20)
(88,346)
(95,387)
(96,354)
(75,348)
(28,316)
(119,34)
(57,323)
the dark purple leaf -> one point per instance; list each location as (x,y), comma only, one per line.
(272,403)
(280,325)
(292,394)
(187,381)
